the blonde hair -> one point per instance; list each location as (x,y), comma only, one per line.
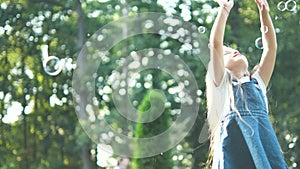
(214,111)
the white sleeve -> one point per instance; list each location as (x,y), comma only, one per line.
(218,104)
(224,78)
(262,87)
(224,81)
(261,83)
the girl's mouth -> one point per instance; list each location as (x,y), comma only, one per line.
(236,54)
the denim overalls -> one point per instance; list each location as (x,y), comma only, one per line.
(248,142)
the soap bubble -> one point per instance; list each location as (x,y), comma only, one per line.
(281,6)
(264,29)
(201,29)
(290,5)
(259,43)
(52,65)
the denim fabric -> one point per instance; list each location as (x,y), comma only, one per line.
(249,141)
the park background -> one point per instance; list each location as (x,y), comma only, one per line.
(39,128)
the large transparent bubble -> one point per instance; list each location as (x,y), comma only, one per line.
(95,54)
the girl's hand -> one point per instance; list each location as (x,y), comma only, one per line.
(227,4)
(262,5)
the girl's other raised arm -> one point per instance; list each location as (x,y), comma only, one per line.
(267,62)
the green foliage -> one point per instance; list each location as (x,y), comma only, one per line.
(152,101)
(47,134)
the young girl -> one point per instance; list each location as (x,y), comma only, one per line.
(241,134)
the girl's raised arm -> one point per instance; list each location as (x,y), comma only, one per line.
(216,41)
(267,62)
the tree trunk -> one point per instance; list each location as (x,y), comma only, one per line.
(85,150)
(24,104)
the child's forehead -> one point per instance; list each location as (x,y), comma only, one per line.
(226,48)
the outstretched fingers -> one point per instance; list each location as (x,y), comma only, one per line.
(262,5)
(259,4)
(225,3)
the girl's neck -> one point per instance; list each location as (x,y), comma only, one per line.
(239,75)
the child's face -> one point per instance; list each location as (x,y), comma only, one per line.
(234,61)
(125,162)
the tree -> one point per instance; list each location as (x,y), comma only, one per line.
(153,100)
(46,132)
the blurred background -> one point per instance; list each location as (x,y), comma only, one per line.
(39,128)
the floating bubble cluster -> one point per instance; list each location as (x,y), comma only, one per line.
(259,43)
(289,5)
(52,65)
